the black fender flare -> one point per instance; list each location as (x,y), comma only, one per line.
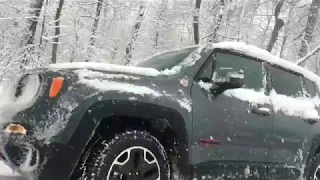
(85,126)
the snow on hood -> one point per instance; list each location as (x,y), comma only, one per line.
(107,67)
(105,82)
(93,79)
(144,71)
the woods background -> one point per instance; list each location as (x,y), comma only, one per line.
(34,33)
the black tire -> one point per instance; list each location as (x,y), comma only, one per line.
(315,166)
(104,153)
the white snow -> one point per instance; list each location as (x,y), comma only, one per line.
(205,85)
(106,67)
(95,74)
(299,107)
(185,103)
(248,95)
(6,170)
(85,77)
(9,104)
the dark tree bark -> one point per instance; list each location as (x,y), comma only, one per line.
(57,32)
(33,21)
(96,22)
(134,37)
(220,16)
(28,39)
(196,15)
(308,32)
(277,27)
(43,25)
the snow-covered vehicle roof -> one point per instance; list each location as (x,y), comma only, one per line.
(246,49)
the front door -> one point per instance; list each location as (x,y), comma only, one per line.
(233,127)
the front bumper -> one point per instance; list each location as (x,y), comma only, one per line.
(32,158)
(21,153)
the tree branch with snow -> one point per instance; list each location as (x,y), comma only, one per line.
(305,58)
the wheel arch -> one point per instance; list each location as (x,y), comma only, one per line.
(163,122)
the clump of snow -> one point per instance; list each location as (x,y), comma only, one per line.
(248,95)
(300,107)
(205,85)
(9,104)
(85,77)
(6,170)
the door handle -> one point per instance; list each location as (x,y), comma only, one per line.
(262,111)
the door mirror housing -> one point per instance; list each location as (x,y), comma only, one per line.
(227,79)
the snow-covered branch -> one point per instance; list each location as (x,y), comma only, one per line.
(305,58)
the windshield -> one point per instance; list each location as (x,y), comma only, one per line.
(167,60)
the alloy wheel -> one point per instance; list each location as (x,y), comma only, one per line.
(135,163)
(316,175)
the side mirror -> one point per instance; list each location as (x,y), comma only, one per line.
(228,79)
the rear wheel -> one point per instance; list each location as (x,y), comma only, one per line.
(134,155)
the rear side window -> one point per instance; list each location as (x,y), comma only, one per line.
(252,69)
(286,83)
(311,88)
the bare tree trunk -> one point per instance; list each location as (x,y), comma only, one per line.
(277,27)
(43,24)
(220,16)
(96,22)
(308,32)
(33,21)
(28,38)
(196,15)
(134,37)
(57,32)
(160,25)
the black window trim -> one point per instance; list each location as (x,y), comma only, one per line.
(304,90)
(304,80)
(235,53)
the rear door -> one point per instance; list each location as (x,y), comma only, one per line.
(293,112)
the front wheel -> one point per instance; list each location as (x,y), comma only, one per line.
(314,173)
(134,155)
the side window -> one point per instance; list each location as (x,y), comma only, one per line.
(286,83)
(253,75)
(311,89)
